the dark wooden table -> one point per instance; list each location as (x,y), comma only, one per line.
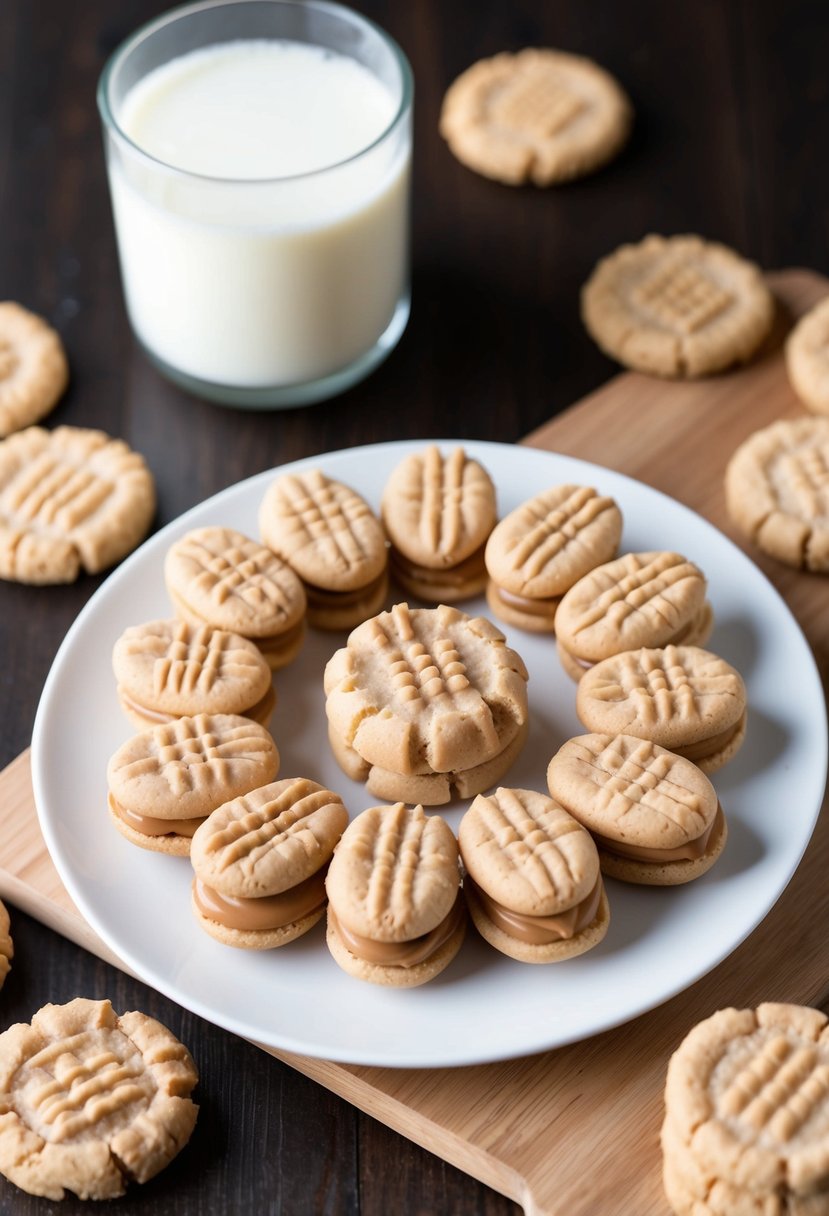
(732,104)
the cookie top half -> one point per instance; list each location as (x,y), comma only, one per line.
(438,509)
(426,690)
(324,530)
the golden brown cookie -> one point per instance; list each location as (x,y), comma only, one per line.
(395,915)
(169,669)
(540,115)
(90,1101)
(654,816)
(260,863)
(543,547)
(807,358)
(682,698)
(777,491)
(218,577)
(677,306)
(532,883)
(33,368)
(6,945)
(438,511)
(641,599)
(331,538)
(70,499)
(165,781)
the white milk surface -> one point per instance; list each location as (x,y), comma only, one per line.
(279,254)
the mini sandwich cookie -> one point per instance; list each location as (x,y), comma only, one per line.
(654,816)
(260,863)
(682,698)
(171,669)
(331,538)
(219,577)
(438,512)
(641,599)
(164,782)
(543,547)
(422,701)
(395,912)
(533,884)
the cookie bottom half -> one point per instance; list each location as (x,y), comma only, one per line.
(532,622)
(665,873)
(173,844)
(395,976)
(551,952)
(257,939)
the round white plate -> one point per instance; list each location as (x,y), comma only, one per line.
(484,1006)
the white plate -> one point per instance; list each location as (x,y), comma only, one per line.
(484,1006)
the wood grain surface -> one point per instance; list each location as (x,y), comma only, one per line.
(567,1132)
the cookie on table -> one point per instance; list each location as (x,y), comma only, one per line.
(260,862)
(682,698)
(777,491)
(6,945)
(165,781)
(654,816)
(438,511)
(170,669)
(396,915)
(533,884)
(747,1114)
(70,499)
(538,551)
(90,1101)
(420,693)
(677,306)
(219,577)
(640,599)
(33,367)
(332,539)
(807,358)
(540,116)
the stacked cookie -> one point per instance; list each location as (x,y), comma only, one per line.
(423,701)
(746,1125)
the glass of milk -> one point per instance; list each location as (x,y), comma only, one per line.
(259,158)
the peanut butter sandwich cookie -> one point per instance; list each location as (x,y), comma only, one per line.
(746,1125)
(532,884)
(6,946)
(655,817)
(260,863)
(543,547)
(90,1101)
(70,499)
(395,914)
(422,701)
(677,306)
(807,358)
(777,491)
(438,512)
(331,538)
(539,116)
(170,669)
(33,367)
(641,599)
(682,698)
(164,782)
(219,577)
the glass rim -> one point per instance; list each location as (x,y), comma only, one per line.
(341,11)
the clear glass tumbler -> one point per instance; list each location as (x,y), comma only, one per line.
(264,293)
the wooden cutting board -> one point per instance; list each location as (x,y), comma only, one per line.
(574,1132)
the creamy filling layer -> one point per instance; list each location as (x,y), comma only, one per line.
(541,930)
(462,572)
(149,825)
(260,712)
(545,608)
(691,850)
(400,954)
(264,912)
(324,597)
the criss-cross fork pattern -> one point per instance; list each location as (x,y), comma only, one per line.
(398,847)
(246,572)
(555,523)
(543,852)
(448,488)
(631,774)
(328,516)
(779,1089)
(191,756)
(191,658)
(418,672)
(681,297)
(804,475)
(535,102)
(262,823)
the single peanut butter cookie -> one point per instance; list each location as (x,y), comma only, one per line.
(33,368)
(807,358)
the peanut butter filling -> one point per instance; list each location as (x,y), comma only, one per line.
(541,930)
(472,567)
(324,597)
(545,608)
(266,911)
(400,954)
(691,850)
(260,712)
(148,825)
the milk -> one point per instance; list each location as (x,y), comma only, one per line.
(262,228)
